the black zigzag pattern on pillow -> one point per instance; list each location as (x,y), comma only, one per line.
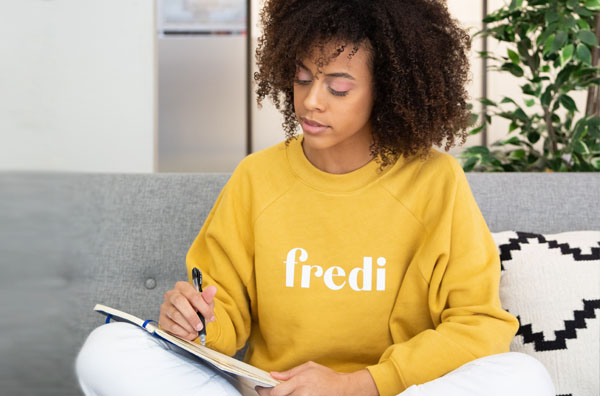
(569,333)
(523,237)
(580,316)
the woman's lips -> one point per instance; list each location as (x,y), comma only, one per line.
(312,127)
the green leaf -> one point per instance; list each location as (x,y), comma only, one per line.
(529,102)
(513,140)
(592,5)
(513,69)
(493,161)
(559,41)
(583,24)
(556,105)
(517,154)
(474,116)
(566,54)
(523,47)
(583,54)
(555,118)
(565,74)
(476,130)
(547,96)
(513,125)
(507,115)
(580,147)
(533,137)
(487,102)
(548,44)
(506,99)
(580,129)
(521,115)
(587,37)
(478,150)
(514,57)
(551,16)
(596,163)
(571,4)
(515,4)
(528,90)
(550,29)
(470,163)
(568,103)
(583,12)
(593,130)
(494,17)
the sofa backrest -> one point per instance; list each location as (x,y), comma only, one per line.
(71,240)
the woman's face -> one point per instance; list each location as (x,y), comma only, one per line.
(334,107)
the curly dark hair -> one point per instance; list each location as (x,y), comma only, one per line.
(418,60)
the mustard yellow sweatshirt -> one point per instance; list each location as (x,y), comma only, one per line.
(393,271)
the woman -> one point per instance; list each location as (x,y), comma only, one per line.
(352,259)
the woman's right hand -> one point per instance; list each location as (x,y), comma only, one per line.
(178,313)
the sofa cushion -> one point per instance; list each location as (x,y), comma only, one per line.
(551,283)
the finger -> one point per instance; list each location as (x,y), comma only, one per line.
(197,302)
(173,313)
(280,376)
(263,391)
(283,389)
(208,294)
(182,304)
(286,375)
(171,327)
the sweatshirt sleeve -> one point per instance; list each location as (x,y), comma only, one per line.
(223,251)
(460,268)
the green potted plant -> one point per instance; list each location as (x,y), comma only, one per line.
(553,51)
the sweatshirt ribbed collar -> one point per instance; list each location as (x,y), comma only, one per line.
(330,182)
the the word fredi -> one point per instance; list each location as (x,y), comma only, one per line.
(334,277)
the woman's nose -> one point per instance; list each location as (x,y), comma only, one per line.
(314,99)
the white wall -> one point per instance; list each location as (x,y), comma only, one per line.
(470,20)
(266,121)
(77,85)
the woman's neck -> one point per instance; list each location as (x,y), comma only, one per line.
(339,160)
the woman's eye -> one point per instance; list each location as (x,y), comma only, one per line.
(338,93)
(302,77)
(339,88)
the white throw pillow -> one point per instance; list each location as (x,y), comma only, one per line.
(551,283)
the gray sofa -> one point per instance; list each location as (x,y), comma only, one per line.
(70,240)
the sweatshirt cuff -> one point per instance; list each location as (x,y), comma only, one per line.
(213,329)
(387,378)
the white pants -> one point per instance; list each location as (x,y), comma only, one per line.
(122,359)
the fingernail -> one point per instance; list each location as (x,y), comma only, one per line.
(199,326)
(212,319)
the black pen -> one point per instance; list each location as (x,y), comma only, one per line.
(197,278)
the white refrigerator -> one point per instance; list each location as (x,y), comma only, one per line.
(203,123)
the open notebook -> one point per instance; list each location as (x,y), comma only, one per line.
(249,375)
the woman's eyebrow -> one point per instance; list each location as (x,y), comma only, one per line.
(344,75)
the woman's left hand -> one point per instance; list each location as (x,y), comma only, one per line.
(312,379)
